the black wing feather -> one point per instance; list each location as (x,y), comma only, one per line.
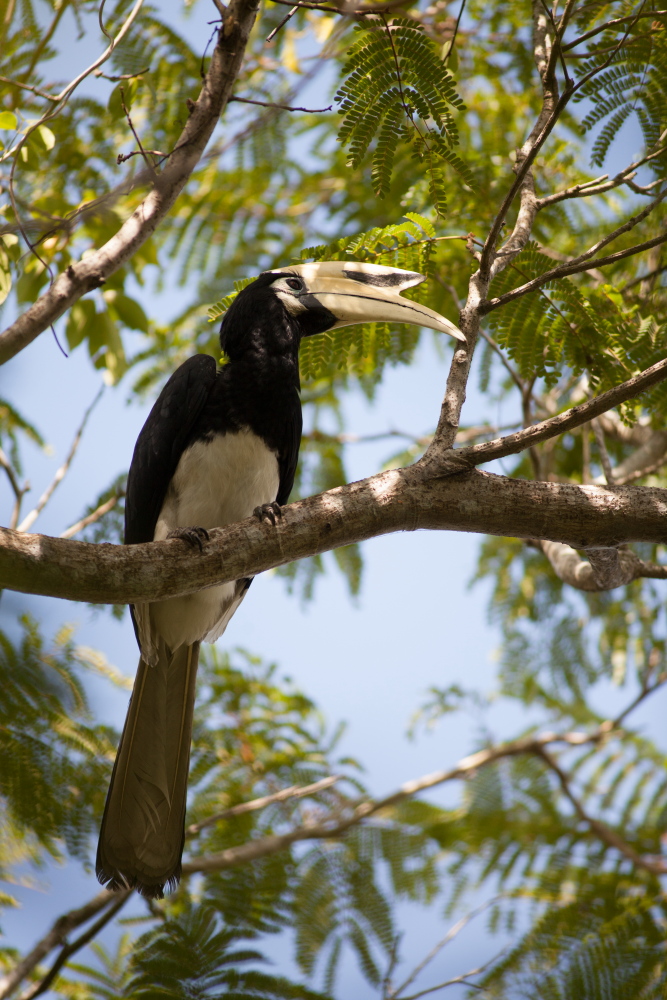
(162,441)
(288,450)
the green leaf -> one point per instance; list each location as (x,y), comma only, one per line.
(47,136)
(127,310)
(8,120)
(5,275)
(81,323)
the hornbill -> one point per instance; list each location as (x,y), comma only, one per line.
(218,446)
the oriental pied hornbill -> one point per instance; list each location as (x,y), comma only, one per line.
(217,447)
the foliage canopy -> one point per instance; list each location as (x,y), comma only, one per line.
(437,111)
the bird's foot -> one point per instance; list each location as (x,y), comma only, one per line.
(271,512)
(193,535)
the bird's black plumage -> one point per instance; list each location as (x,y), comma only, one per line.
(162,441)
(260,390)
(216,446)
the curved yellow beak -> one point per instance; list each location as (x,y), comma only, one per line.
(357,292)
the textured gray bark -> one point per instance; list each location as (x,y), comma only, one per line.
(399,500)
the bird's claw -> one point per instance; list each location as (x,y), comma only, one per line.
(193,535)
(271,512)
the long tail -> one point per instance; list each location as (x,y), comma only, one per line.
(142,834)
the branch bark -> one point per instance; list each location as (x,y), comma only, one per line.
(605,569)
(93,271)
(396,500)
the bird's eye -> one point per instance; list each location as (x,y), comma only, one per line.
(295,284)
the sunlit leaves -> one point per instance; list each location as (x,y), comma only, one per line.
(397,89)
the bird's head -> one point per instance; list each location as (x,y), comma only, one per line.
(300,300)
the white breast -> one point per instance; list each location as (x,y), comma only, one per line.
(216,483)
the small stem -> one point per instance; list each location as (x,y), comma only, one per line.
(30,518)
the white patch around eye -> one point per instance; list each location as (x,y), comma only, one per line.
(289,296)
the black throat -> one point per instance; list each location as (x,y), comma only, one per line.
(258,388)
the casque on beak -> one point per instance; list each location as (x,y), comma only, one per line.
(358,292)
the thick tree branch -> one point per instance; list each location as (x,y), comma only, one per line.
(397,500)
(93,271)
(605,569)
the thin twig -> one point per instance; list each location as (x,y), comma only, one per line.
(90,272)
(335,825)
(456,31)
(604,454)
(11,475)
(601,830)
(449,936)
(611,24)
(648,470)
(309,6)
(61,100)
(19,491)
(521,173)
(294,792)
(30,518)
(281,107)
(54,937)
(601,184)
(26,86)
(92,518)
(568,420)
(507,366)
(123,76)
(463,978)
(67,91)
(284,21)
(69,949)
(575,267)
(142,151)
(644,277)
